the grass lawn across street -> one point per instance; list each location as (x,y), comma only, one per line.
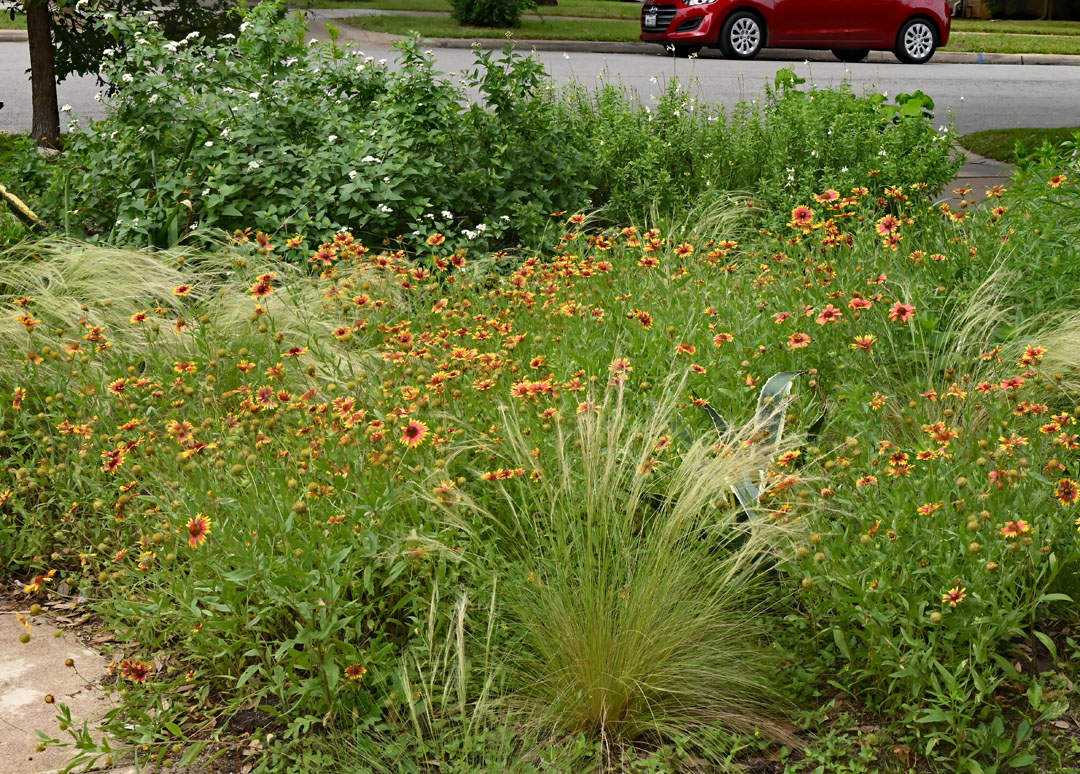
(1000,144)
(598,9)
(530,29)
(563,29)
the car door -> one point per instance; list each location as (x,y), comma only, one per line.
(810,22)
(862,20)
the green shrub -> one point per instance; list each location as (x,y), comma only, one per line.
(666,154)
(490,13)
(269,133)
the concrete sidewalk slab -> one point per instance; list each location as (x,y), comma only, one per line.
(33,670)
(980,174)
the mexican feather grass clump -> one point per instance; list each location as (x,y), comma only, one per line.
(633,579)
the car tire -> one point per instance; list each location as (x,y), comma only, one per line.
(742,36)
(916,42)
(851,54)
(682,51)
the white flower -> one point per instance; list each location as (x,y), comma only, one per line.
(384,208)
(843,169)
(153,98)
(228,36)
(206,192)
(353,174)
(65,109)
(208,144)
(447,215)
(253,165)
(225,133)
(192,35)
(245,27)
(370,160)
(289,62)
(254,95)
(331,139)
(127,78)
(506,218)
(482,228)
(386,179)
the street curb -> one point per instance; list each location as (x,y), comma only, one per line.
(772,54)
(13,36)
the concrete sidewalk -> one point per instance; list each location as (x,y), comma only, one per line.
(980,174)
(34,673)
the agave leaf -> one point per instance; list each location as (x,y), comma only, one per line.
(680,432)
(770,411)
(747,494)
(718,421)
(815,429)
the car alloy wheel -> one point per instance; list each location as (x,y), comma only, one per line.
(743,36)
(917,42)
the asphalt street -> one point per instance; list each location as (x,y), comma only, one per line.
(978,96)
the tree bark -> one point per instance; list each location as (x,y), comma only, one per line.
(45,125)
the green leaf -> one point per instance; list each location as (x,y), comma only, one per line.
(1022,760)
(247,674)
(190,754)
(173,729)
(1056,597)
(841,642)
(933,716)
(1006,667)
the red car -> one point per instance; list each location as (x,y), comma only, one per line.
(912,29)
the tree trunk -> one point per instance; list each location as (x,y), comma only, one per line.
(46,119)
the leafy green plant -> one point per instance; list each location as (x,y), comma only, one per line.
(490,13)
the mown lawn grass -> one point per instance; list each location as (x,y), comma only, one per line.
(530,29)
(1013,43)
(1016,27)
(1001,144)
(7,23)
(622,31)
(593,9)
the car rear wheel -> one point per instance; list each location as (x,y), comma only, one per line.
(851,54)
(682,51)
(742,36)
(916,42)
